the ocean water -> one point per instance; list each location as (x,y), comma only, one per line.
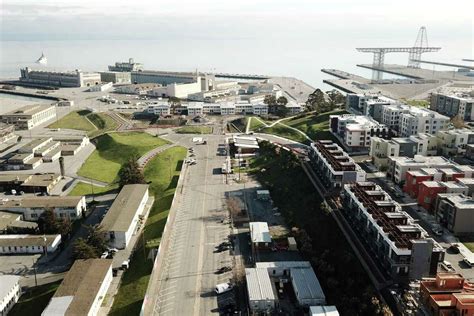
(299,58)
(302,57)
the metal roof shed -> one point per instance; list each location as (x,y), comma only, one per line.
(307,289)
(323,311)
(259,232)
(260,289)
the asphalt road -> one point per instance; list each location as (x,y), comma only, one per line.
(187,280)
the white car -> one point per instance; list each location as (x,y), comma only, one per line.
(104,255)
(223,288)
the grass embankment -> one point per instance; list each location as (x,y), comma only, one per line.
(238,125)
(255,124)
(163,171)
(342,277)
(115,149)
(283,131)
(92,123)
(83,188)
(418,103)
(194,130)
(35,301)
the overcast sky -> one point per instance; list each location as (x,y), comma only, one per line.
(386,21)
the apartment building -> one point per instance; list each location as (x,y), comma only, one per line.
(82,290)
(400,247)
(455,141)
(29,116)
(429,191)
(75,78)
(335,166)
(160,109)
(366,104)
(70,207)
(29,244)
(453,104)
(447,294)
(397,167)
(356,130)
(455,212)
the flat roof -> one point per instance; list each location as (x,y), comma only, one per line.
(79,288)
(306,283)
(259,232)
(27,240)
(36,142)
(6,218)
(31,109)
(42,201)
(123,209)
(39,180)
(283,264)
(323,311)
(259,285)
(8,282)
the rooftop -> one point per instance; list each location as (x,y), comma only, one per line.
(259,232)
(79,288)
(306,283)
(458,200)
(35,143)
(31,109)
(7,218)
(42,201)
(8,282)
(323,311)
(123,209)
(27,240)
(259,285)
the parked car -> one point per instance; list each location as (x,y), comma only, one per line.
(104,255)
(223,288)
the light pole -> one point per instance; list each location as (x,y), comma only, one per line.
(34,270)
(238,159)
(92,190)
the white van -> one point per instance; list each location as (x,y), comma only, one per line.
(469,261)
(223,287)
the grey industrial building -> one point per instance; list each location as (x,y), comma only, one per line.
(115,77)
(75,78)
(165,78)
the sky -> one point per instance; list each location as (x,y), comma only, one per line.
(387,21)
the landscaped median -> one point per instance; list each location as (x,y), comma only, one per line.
(163,172)
(194,130)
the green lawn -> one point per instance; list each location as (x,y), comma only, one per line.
(75,120)
(255,124)
(418,103)
(163,171)
(469,245)
(113,150)
(283,131)
(34,302)
(82,188)
(93,123)
(194,130)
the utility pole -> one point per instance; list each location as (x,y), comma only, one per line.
(34,270)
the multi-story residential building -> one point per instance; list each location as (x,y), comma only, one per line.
(414,178)
(129,66)
(159,108)
(447,294)
(75,78)
(366,104)
(116,77)
(429,190)
(335,166)
(409,120)
(29,116)
(397,167)
(454,104)
(455,211)
(469,183)
(357,130)
(82,290)
(10,292)
(401,247)
(29,244)
(455,141)
(70,207)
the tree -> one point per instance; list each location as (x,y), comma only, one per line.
(316,100)
(64,227)
(96,237)
(83,250)
(270,99)
(47,222)
(130,173)
(336,97)
(282,100)
(458,122)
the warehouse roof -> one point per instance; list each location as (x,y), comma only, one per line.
(80,286)
(28,110)
(306,284)
(42,201)
(259,232)
(283,264)
(259,285)
(123,210)
(7,218)
(28,240)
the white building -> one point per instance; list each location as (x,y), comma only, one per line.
(122,219)
(101,87)
(260,234)
(357,130)
(70,207)
(178,90)
(195,109)
(10,292)
(82,290)
(29,116)
(260,290)
(160,109)
(227,109)
(398,166)
(29,244)
(454,141)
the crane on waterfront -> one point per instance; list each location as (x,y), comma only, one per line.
(414,53)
